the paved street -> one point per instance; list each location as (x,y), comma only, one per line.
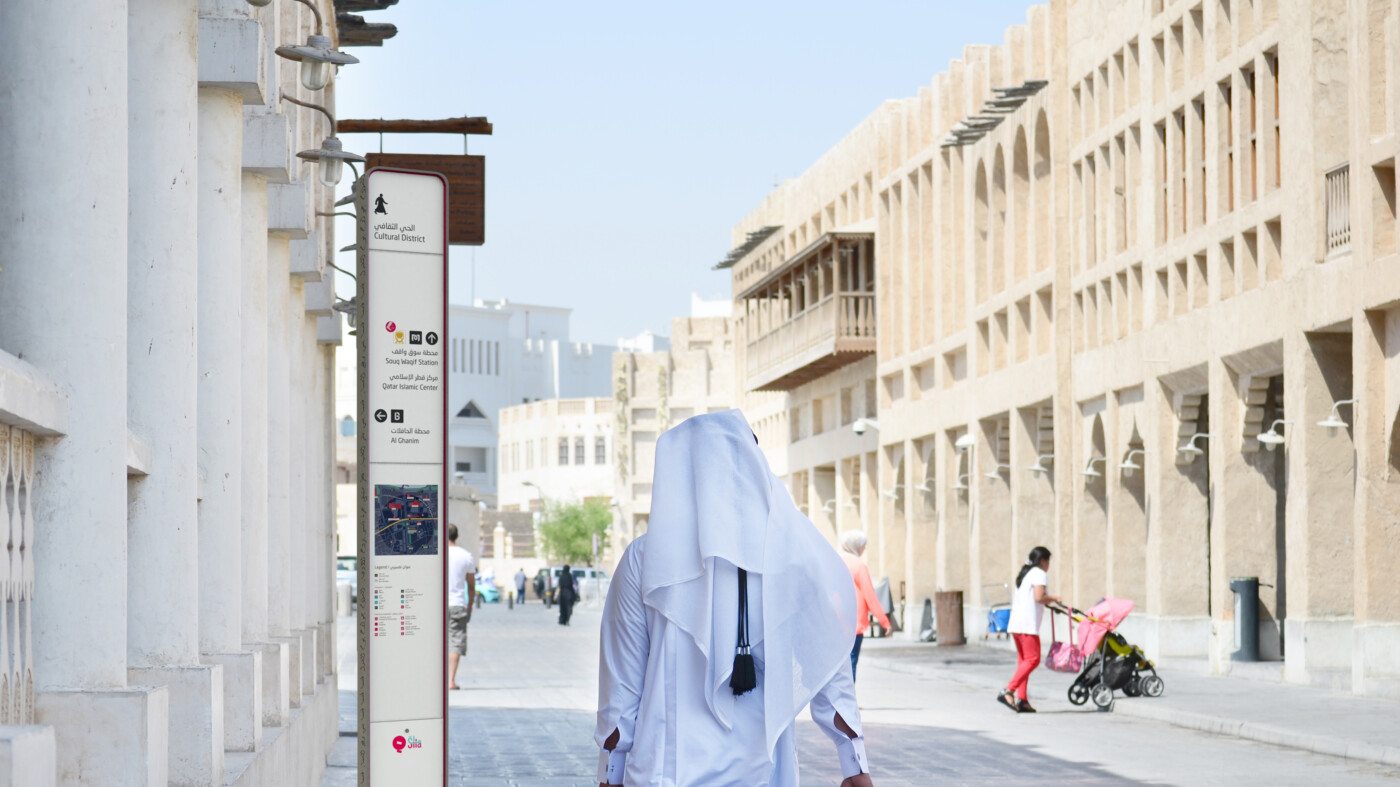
(525,717)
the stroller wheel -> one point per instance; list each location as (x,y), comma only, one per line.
(1102,696)
(1152,686)
(1078,693)
(1133,687)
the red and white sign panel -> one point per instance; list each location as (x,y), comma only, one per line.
(406,334)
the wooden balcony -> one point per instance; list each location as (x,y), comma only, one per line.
(813,315)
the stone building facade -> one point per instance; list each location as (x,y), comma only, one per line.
(651,393)
(1125,276)
(166,385)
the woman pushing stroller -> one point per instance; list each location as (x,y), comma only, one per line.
(1027,609)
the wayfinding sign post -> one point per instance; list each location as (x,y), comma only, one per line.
(401,330)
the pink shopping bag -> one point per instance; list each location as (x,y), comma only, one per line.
(1063,656)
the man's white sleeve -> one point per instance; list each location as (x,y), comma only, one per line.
(839,696)
(622,665)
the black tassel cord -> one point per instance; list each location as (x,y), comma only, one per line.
(744,678)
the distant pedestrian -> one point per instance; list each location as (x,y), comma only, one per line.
(461,588)
(867,603)
(566,595)
(1027,608)
(520,586)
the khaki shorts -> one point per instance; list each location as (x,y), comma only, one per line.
(457,629)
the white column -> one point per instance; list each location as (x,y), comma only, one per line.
(282,657)
(163,545)
(63,308)
(253,350)
(221,416)
(220,370)
(63,230)
(279,482)
(302,506)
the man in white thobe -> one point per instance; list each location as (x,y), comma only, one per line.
(667,713)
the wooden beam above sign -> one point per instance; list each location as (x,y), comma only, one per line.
(463,125)
(466,189)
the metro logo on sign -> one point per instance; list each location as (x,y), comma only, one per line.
(403,275)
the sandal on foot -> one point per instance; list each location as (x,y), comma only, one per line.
(1008,699)
(1024,707)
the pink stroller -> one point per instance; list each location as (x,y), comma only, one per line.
(1111,663)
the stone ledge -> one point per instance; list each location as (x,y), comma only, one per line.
(294,754)
(27,756)
(30,400)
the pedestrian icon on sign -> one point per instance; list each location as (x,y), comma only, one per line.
(379,205)
(381,416)
(432,338)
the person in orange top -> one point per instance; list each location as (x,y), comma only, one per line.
(867,604)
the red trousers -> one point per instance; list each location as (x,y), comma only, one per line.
(1028,658)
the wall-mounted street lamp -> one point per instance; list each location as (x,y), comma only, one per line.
(829,506)
(961,483)
(318,58)
(1039,466)
(1190,449)
(331,156)
(1129,466)
(893,494)
(853,502)
(259,3)
(1334,421)
(965,442)
(924,487)
(995,473)
(1089,471)
(1273,438)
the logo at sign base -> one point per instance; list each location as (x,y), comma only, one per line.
(406,741)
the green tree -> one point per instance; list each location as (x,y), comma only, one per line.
(567,530)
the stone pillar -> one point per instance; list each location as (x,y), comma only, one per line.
(279,480)
(1032,494)
(163,585)
(279,423)
(63,230)
(253,352)
(921,532)
(303,559)
(954,517)
(1375,666)
(1090,566)
(992,541)
(1321,484)
(220,409)
(1177,590)
(1127,505)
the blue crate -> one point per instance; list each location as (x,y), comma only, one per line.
(998,620)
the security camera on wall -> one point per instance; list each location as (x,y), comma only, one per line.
(859,426)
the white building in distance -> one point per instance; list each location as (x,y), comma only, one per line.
(500,354)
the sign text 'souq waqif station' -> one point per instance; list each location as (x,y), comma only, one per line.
(401,331)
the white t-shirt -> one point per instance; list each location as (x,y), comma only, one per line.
(1025,613)
(459,564)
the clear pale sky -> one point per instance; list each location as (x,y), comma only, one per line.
(630,137)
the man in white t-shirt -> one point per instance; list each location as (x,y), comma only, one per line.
(1027,608)
(461,589)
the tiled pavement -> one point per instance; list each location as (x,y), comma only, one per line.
(525,718)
